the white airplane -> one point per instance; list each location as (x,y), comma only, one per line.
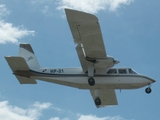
(96,74)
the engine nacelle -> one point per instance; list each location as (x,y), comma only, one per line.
(103,62)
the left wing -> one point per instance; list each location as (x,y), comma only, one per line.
(106,96)
(86,33)
(86,30)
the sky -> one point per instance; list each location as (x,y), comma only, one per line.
(131,33)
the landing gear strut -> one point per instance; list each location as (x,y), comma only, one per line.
(98,101)
(148,90)
(91,81)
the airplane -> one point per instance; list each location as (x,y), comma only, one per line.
(97,72)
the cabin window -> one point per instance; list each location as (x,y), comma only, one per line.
(112,71)
(131,71)
(122,71)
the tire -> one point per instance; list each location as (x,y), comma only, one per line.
(91,81)
(148,90)
(98,101)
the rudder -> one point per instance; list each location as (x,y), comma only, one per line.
(27,53)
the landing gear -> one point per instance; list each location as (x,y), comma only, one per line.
(91,81)
(97,101)
(148,90)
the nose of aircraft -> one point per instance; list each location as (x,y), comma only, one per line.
(152,80)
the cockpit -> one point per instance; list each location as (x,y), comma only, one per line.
(121,71)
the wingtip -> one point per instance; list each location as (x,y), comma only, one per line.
(68,9)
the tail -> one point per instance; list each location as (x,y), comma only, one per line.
(23,63)
(27,53)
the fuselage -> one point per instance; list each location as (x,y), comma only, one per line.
(115,78)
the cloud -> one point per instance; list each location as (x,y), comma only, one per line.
(11,34)
(41,1)
(3,11)
(90,117)
(9,112)
(34,112)
(93,6)
(44,6)
(90,6)
(93,117)
(8,32)
(57,118)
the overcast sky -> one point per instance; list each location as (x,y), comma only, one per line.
(131,33)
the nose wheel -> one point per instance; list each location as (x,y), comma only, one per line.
(148,90)
(91,81)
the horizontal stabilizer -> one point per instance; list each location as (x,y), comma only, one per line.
(19,64)
(25,80)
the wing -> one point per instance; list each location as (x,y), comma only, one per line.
(86,32)
(107,97)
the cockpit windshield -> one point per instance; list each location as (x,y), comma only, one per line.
(131,71)
(121,71)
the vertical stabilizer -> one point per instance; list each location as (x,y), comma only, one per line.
(27,53)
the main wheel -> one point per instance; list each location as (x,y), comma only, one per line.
(91,81)
(98,101)
(148,90)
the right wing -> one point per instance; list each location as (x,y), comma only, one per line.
(107,96)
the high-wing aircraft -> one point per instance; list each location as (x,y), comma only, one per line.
(96,74)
